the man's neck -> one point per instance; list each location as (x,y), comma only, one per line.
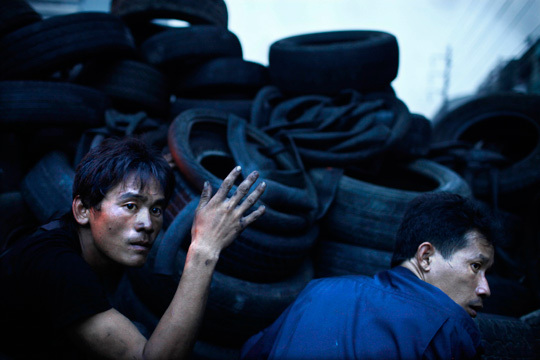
(414,268)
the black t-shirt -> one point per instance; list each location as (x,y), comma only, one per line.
(46,286)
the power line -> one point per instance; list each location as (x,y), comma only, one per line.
(496,43)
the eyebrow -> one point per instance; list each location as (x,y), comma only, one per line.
(142,198)
(484,259)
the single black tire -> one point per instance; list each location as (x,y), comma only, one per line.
(506,337)
(507,124)
(367,210)
(205,145)
(241,108)
(58,43)
(47,188)
(263,257)
(223,78)
(15,14)
(328,62)
(132,85)
(28,104)
(337,259)
(174,51)
(135,12)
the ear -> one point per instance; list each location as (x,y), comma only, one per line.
(80,212)
(424,255)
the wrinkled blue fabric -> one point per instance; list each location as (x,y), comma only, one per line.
(393,315)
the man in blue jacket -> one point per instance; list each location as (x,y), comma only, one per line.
(422,308)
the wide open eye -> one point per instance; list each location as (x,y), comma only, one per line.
(156,211)
(130,206)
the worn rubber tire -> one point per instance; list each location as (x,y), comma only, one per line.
(367,212)
(241,108)
(38,50)
(132,85)
(47,188)
(336,259)
(505,337)
(198,141)
(134,12)
(174,51)
(223,78)
(328,62)
(30,104)
(506,123)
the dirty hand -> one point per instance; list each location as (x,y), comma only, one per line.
(218,219)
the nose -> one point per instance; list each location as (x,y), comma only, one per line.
(144,221)
(482,289)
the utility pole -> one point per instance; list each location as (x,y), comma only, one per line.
(446,75)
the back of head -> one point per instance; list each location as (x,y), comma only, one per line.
(443,219)
(110,164)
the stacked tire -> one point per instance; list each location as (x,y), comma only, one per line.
(342,155)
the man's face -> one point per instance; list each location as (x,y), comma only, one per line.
(127,223)
(463,276)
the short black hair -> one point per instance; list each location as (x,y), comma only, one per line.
(443,219)
(112,161)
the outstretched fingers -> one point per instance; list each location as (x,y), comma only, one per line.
(248,219)
(243,189)
(227,184)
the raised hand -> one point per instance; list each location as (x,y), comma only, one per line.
(218,219)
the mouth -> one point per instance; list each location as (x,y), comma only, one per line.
(474,309)
(141,245)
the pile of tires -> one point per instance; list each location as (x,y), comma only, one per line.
(341,153)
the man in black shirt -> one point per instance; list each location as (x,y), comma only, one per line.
(56,282)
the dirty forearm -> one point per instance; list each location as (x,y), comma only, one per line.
(177,330)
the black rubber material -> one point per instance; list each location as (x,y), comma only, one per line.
(134,12)
(506,124)
(15,14)
(47,188)
(241,108)
(263,257)
(336,259)
(505,337)
(60,42)
(223,78)
(41,104)
(327,62)
(205,149)
(236,308)
(173,51)
(413,139)
(367,210)
(132,85)
(345,130)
